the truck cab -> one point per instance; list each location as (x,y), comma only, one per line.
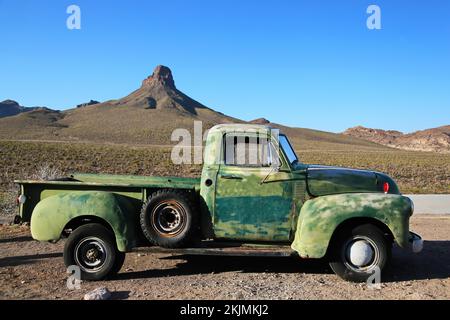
(252,189)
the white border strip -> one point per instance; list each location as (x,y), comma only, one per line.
(430,203)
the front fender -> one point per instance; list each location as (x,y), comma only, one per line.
(320,217)
(52,214)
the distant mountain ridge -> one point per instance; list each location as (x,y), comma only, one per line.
(434,140)
(11,108)
(148,116)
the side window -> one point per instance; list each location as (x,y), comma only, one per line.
(249,151)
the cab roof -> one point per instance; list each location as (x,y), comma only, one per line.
(240,127)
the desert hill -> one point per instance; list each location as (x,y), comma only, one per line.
(11,108)
(436,139)
(149,115)
(146,116)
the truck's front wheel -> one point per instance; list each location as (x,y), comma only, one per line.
(92,248)
(359,253)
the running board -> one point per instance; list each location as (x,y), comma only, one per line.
(212,248)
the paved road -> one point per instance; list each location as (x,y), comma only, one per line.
(431,203)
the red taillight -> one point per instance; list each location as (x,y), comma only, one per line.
(386,187)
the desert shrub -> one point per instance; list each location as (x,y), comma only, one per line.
(10,190)
(47,172)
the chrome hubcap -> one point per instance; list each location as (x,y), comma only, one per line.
(361,254)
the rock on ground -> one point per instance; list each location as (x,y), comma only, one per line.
(101,293)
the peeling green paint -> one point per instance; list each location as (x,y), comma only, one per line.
(52,214)
(110,180)
(328,180)
(245,209)
(320,217)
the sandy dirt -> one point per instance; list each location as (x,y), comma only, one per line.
(34,270)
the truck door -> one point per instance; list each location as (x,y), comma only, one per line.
(253,195)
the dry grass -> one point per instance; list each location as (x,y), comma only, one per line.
(105,124)
(416,172)
(8,193)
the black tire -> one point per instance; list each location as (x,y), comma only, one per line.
(169,219)
(120,259)
(368,237)
(92,247)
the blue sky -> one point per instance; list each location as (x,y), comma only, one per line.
(310,64)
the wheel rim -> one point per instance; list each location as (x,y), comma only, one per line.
(168,218)
(90,254)
(360,254)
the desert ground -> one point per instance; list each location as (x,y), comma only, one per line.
(34,270)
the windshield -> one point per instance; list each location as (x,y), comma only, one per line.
(287,148)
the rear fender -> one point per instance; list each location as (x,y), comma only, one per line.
(320,217)
(52,214)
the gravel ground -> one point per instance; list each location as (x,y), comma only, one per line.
(34,270)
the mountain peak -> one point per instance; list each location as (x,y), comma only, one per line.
(260,121)
(162,75)
(10,108)
(9,102)
(159,92)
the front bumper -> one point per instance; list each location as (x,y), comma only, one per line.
(415,242)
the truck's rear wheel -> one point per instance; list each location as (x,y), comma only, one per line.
(168,219)
(92,248)
(359,252)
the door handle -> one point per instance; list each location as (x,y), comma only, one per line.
(230,176)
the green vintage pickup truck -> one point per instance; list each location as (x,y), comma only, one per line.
(254,197)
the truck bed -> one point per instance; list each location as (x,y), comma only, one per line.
(135,188)
(120,181)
